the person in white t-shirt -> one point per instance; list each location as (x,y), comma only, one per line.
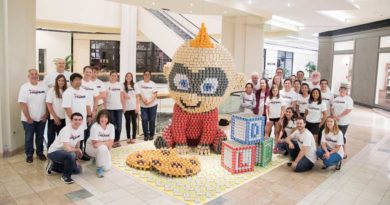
(247,100)
(100,88)
(331,151)
(31,99)
(76,99)
(297,86)
(115,104)
(303,99)
(148,100)
(315,80)
(88,85)
(132,106)
(65,150)
(315,113)
(288,127)
(101,141)
(276,80)
(301,76)
(280,72)
(261,97)
(60,69)
(341,110)
(293,78)
(255,81)
(274,112)
(289,96)
(57,112)
(327,98)
(302,147)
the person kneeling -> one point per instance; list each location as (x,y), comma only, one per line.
(65,148)
(302,147)
(100,142)
(331,151)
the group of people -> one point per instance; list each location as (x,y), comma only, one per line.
(309,120)
(84,116)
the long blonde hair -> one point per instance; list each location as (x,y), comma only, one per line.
(335,129)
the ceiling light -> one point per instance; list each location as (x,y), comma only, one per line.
(301,27)
(191,4)
(288,4)
(315,34)
(302,39)
(356,6)
(190,12)
(286,20)
(337,15)
(153,3)
(250,2)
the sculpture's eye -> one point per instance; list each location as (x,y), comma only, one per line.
(209,86)
(181,82)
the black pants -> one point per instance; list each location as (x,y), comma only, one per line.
(53,130)
(83,143)
(344,129)
(131,117)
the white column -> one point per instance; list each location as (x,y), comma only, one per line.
(128,47)
(17,55)
(244,38)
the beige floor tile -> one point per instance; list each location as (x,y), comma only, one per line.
(29,199)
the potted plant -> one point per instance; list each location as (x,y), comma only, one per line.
(311,67)
(68,62)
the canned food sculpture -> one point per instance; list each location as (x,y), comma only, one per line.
(200,76)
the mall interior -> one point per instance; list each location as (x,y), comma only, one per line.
(346,41)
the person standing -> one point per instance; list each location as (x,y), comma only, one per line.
(289,95)
(341,110)
(327,98)
(274,111)
(76,99)
(115,104)
(297,86)
(99,87)
(315,113)
(301,76)
(32,96)
(66,149)
(148,100)
(247,100)
(261,96)
(255,81)
(315,80)
(131,107)
(302,147)
(303,99)
(60,69)
(57,112)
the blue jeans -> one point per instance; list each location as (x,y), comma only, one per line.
(148,116)
(116,120)
(64,162)
(304,164)
(333,158)
(37,128)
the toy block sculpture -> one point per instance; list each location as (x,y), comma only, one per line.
(264,152)
(247,128)
(238,158)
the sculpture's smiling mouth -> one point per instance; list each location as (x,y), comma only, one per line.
(188,106)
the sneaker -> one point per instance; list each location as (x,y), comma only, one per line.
(146,138)
(289,164)
(338,166)
(151,138)
(29,159)
(275,150)
(100,172)
(132,141)
(85,157)
(324,167)
(67,180)
(42,157)
(48,167)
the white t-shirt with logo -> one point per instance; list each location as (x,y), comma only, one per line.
(56,102)
(100,134)
(35,98)
(113,100)
(100,88)
(289,127)
(306,139)
(314,112)
(77,100)
(91,89)
(147,89)
(340,104)
(261,103)
(333,140)
(50,79)
(303,102)
(132,94)
(327,98)
(67,134)
(275,106)
(247,102)
(288,97)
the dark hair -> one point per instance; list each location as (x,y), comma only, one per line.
(74,76)
(249,84)
(280,86)
(266,85)
(285,120)
(86,67)
(300,83)
(57,87)
(148,71)
(271,95)
(324,80)
(288,79)
(101,114)
(76,114)
(311,99)
(131,82)
(113,72)
(301,118)
(280,69)
(308,88)
(95,68)
(292,76)
(299,71)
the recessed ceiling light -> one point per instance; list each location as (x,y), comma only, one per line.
(338,15)
(250,1)
(191,4)
(224,12)
(190,12)
(153,3)
(286,20)
(315,34)
(301,27)
(288,5)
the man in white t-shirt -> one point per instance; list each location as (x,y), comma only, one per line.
(315,80)
(76,99)
(32,100)
(302,147)
(255,81)
(301,76)
(65,150)
(148,99)
(88,85)
(50,79)
(100,88)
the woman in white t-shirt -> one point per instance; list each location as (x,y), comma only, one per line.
(315,113)
(288,94)
(261,97)
(274,111)
(297,86)
(288,127)
(303,99)
(331,151)
(115,104)
(131,106)
(100,142)
(57,112)
(341,110)
(247,99)
(277,80)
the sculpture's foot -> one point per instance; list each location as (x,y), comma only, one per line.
(203,149)
(182,149)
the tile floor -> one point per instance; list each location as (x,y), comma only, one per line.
(363,179)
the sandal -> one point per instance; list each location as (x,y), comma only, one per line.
(132,141)
(129,141)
